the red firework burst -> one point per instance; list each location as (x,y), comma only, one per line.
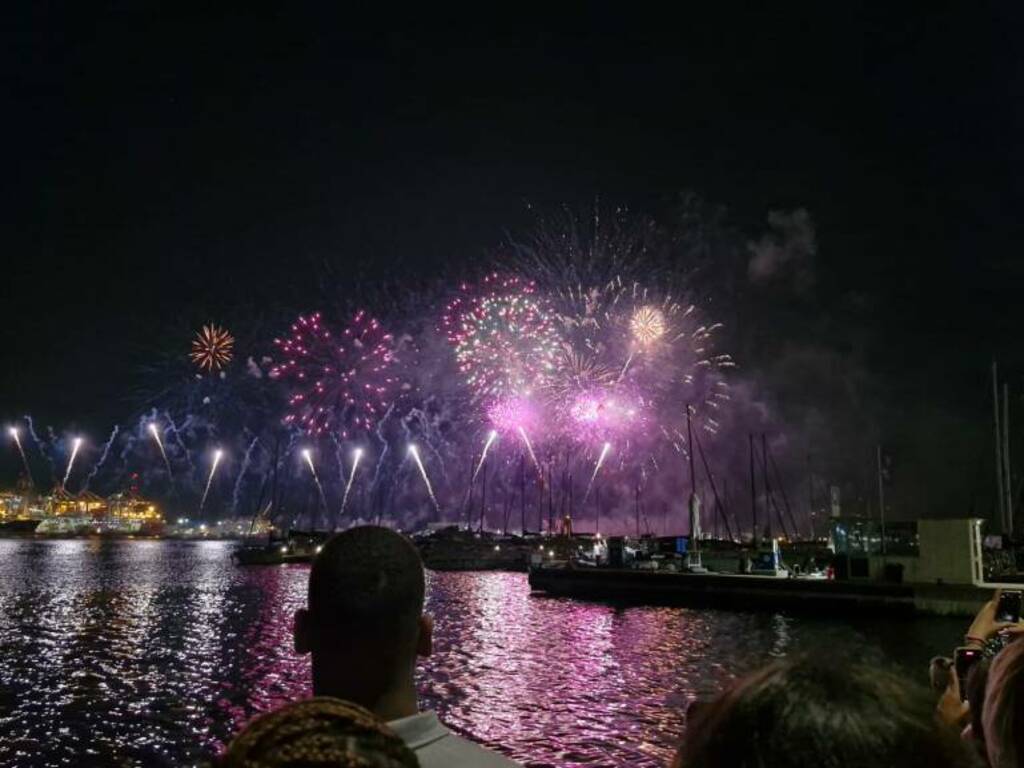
(342,382)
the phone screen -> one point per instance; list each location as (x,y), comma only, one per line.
(963,660)
(1008,608)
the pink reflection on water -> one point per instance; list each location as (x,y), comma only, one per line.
(557,682)
(271,672)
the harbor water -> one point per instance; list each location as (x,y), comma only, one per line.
(154,652)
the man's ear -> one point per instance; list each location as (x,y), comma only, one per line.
(302,630)
(425,641)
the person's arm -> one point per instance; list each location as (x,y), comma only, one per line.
(985,627)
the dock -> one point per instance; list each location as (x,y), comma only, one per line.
(737,591)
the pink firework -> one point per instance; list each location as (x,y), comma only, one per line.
(342,383)
(505,338)
(511,414)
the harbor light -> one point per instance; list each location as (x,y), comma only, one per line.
(284,548)
(551,553)
(319,548)
(497,548)
(202,527)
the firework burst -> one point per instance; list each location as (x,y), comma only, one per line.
(505,339)
(212,348)
(342,383)
(647,325)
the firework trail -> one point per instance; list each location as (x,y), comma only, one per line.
(241,473)
(491,436)
(356,456)
(155,432)
(103,456)
(71,461)
(414,452)
(308,456)
(21,451)
(529,448)
(597,468)
(217,454)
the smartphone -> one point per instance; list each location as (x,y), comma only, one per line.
(1008,607)
(963,660)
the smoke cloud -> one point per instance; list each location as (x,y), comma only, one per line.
(786,251)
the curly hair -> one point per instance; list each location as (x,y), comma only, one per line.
(1003,713)
(318,732)
(819,712)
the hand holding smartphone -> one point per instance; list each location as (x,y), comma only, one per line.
(964,659)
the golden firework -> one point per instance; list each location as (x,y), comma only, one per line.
(647,325)
(212,348)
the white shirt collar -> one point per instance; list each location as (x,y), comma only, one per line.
(419,730)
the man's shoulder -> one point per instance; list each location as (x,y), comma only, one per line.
(435,745)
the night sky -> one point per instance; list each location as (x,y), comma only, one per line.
(166,168)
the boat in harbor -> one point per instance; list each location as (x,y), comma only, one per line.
(455,548)
(295,547)
(940,570)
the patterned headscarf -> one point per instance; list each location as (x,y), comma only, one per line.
(318,732)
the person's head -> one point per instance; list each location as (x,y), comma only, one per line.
(810,712)
(1003,715)
(318,732)
(364,622)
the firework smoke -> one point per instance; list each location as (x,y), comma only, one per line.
(103,456)
(246,459)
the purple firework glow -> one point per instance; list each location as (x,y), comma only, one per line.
(512,414)
(342,383)
(596,416)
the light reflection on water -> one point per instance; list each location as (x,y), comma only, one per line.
(154,653)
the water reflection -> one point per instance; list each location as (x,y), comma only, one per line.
(154,653)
